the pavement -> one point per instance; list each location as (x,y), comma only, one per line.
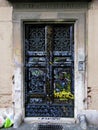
(25,126)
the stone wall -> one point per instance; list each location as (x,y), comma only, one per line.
(92,55)
(6,65)
(6,54)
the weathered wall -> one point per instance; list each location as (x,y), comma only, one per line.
(93,55)
(5,54)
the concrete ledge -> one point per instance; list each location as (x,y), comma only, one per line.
(25,126)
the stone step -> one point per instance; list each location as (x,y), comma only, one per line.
(25,126)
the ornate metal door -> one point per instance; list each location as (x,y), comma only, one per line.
(49,70)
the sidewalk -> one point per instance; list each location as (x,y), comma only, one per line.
(25,126)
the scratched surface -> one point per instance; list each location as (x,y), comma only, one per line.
(49,70)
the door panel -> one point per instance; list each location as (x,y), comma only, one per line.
(49,70)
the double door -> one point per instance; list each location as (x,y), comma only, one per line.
(49,69)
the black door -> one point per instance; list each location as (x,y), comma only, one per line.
(49,70)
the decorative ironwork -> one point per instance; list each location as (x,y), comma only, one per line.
(62,38)
(36,80)
(50,110)
(49,70)
(36,38)
(62,85)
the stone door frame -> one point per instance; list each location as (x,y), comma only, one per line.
(67,12)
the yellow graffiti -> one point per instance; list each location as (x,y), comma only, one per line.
(63,95)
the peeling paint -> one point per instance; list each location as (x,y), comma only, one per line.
(17,64)
(13,79)
(18,79)
(17,89)
(89,96)
(81,53)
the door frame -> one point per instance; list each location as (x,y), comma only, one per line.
(59,15)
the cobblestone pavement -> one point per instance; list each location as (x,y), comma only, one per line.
(25,126)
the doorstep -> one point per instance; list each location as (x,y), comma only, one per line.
(25,126)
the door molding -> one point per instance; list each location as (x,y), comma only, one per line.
(58,15)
